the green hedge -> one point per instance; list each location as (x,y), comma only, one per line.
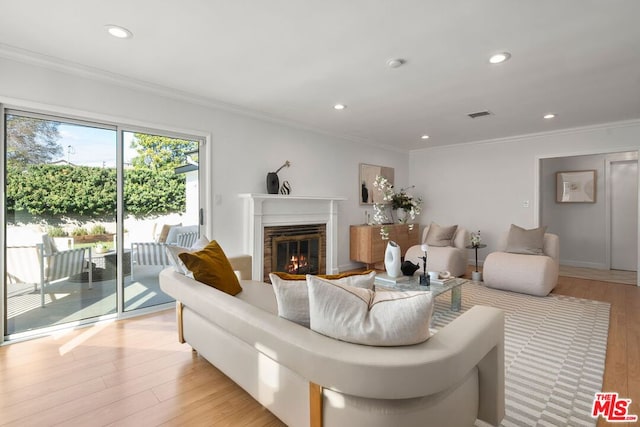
(52,190)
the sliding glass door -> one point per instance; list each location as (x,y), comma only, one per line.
(89,212)
(161,208)
(60,221)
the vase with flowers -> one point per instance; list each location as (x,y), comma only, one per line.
(405,205)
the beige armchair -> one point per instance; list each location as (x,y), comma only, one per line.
(443,258)
(527,274)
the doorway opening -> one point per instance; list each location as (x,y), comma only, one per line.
(596,235)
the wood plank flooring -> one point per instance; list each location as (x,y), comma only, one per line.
(622,365)
(135,373)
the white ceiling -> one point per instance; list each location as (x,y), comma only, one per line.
(294,59)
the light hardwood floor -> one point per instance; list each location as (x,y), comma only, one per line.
(134,372)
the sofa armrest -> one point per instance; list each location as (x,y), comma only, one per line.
(241,266)
(552,246)
(461,239)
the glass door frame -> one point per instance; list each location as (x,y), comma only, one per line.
(120,127)
(120,217)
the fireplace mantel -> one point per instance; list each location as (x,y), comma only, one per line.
(263,210)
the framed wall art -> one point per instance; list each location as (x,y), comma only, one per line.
(576,186)
(368,194)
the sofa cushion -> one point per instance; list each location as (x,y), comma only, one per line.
(363,316)
(522,241)
(173,252)
(441,235)
(211,267)
(292,294)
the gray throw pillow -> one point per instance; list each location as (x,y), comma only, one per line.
(528,242)
(441,236)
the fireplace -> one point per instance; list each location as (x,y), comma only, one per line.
(265,212)
(295,249)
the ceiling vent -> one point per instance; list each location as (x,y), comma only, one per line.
(479,114)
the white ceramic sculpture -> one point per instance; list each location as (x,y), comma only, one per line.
(392,261)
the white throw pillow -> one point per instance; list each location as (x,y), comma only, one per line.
(292,296)
(173,251)
(363,316)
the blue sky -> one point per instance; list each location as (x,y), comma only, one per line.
(88,146)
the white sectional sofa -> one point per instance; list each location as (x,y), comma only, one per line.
(305,378)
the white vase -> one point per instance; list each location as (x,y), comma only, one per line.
(392,262)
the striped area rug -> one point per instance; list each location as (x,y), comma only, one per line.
(555,349)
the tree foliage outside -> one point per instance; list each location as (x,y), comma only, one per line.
(31,141)
(52,190)
(46,191)
(151,186)
(160,152)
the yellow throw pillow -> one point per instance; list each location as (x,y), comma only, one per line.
(211,267)
(288,276)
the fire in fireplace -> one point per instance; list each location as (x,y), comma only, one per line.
(298,265)
(295,249)
(296,254)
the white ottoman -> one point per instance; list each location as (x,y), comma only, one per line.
(527,274)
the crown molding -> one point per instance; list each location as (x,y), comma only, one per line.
(566,131)
(73,68)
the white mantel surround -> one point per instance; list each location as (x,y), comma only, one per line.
(268,210)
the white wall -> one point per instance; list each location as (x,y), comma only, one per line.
(580,226)
(484,185)
(242,149)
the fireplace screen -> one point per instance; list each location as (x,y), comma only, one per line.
(296,254)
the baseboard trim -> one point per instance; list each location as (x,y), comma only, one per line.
(583,264)
(351,266)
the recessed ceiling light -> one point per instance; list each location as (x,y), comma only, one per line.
(339,106)
(396,62)
(549,116)
(424,137)
(119,32)
(499,57)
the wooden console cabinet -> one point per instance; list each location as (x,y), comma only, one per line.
(366,244)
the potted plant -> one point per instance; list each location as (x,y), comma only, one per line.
(404,204)
(101,248)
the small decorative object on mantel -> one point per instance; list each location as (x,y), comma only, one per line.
(273,183)
(285,188)
(406,205)
(392,259)
(425,280)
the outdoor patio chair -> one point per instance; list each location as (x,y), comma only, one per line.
(186,240)
(20,265)
(148,253)
(61,265)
